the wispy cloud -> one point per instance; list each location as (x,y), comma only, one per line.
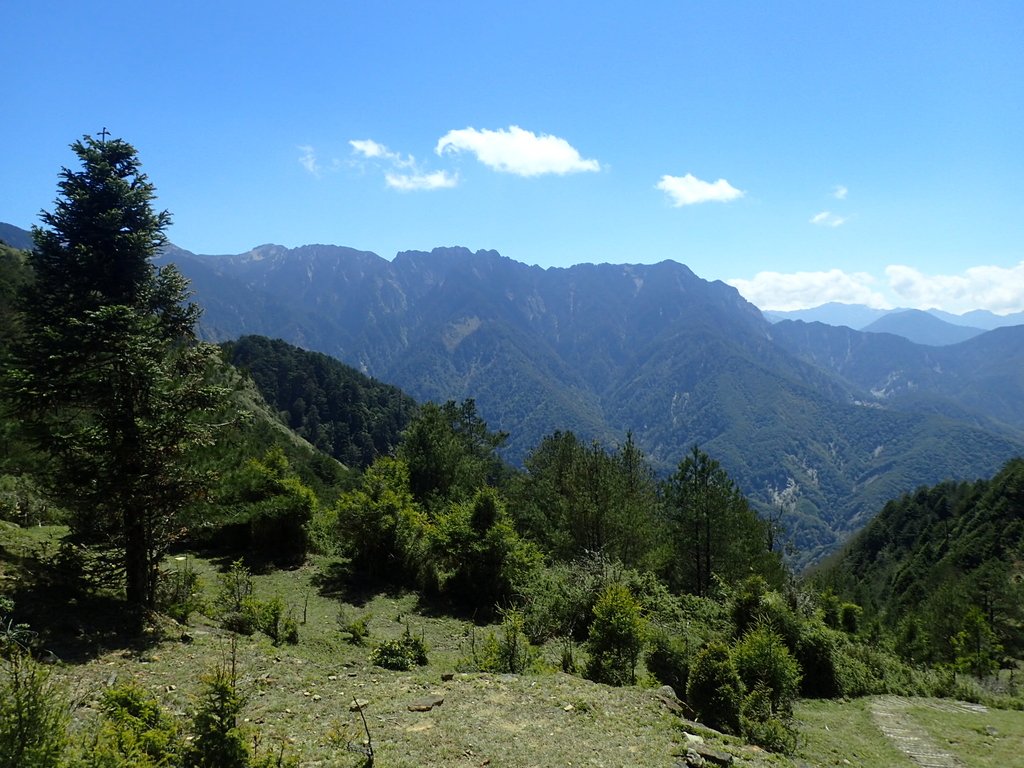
(839,192)
(689,190)
(800,290)
(997,289)
(412,182)
(828,219)
(402,172)
(313,165)
(517,151)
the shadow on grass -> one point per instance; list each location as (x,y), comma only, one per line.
(336,581)
(67,618)
(77,625)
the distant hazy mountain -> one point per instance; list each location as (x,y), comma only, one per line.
(981,318)
(922,328)
(858,316)
(854,316)
(652,349)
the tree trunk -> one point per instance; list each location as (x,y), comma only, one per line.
(136,561)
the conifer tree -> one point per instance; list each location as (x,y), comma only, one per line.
(108,377)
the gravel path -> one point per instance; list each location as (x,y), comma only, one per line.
(892,718)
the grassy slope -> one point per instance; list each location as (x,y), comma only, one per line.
(302,694)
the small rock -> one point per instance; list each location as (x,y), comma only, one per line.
(709,755)
(426,703)
(446,676)
(693,759)
(332,677)
(186,638)
(170,688)
(568,708)
(357,705)
(317,697)
(991,731)
(668,692)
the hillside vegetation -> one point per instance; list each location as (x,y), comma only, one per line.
(941,568)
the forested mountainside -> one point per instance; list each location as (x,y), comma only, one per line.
(931,556)
(335,407)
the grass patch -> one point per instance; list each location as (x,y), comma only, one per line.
(991,739)
(842,733)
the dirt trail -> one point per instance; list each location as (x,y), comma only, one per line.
(892,718)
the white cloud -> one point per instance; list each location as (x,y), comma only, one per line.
(839,192)
(414,180)
(689,190)
(308,159)
(420,181)
(997,289)
(369,148)
(514,150)
(800,290)
(828,219)
(372,150)
(312,163)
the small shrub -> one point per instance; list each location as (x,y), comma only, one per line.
(402,654)
(509,653)
(816,653)
(217,740)
(272,618)
(179,593)
(668,659)
(358,630)
(615,638)
(34,714)
(762,658)
(761,725)
(135,732)
(714,689)
(235,587)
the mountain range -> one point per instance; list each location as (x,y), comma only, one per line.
(825,423)
(933,327)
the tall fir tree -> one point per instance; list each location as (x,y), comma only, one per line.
(108,377)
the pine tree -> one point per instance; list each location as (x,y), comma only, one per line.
(108,377)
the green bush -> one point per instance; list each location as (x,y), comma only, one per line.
(668,659)
(761,658)
(816,653)
(34,714)
(179,592)
(272,618)
(615,638)
(217,739)
(476,556)
(510,652)
(135,732)
(358,630)
(714,690)
(402,654)
(761,725)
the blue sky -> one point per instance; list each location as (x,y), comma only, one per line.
(805,152)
